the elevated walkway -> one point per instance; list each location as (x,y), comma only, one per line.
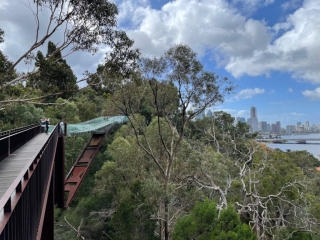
(11,166)
(27,183)
(95,125)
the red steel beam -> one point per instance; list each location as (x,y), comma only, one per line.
(81,166)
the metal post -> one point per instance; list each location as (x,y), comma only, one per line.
(65,129)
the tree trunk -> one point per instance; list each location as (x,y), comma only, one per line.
(166,217)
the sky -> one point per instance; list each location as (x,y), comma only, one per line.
(270,49)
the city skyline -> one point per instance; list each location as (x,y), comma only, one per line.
(262,125)
(209,113)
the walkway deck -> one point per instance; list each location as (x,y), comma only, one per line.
(11,166)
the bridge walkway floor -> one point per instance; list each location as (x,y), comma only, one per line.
(11,166)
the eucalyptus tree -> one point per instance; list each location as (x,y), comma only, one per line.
(272,190)
(189,86)
(84,25)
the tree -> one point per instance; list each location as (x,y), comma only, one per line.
(5,75)
(220,131)
(63,109)
(195,87)
(19,115)
(55,75)
(276,195)
(87,24)
(203,222)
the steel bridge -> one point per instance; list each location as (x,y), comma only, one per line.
(30,182)
(32,177)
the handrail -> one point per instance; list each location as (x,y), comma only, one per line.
(8,132)
(28,190)
(13,139)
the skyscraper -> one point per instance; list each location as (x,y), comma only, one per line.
(306,126)
(298,124)
(278,127)
(253,120)
(264,126)
(253,112)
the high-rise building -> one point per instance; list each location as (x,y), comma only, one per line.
(253,120)
(306,126)
(298,125)
(273,128)
(253,112)
(268,127)
(264,126)
(278,127)
(290,129)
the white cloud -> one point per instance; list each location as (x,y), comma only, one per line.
(204,25)
(272,91)
(312,95)
(248,93)
(296,50)
(290,90)
(129,9)
(242,45)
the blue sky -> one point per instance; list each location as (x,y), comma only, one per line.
(269,48)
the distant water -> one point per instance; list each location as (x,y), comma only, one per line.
(311,146)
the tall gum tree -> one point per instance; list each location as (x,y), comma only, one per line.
(195,87)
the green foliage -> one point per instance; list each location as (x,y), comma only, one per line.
(92,105)
(73,148)
(63,109)
(55,75)
(5,73)
(18,115)
(221,132)
(203,223)
(301,236)
(132,219)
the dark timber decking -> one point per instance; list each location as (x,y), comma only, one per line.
(11,166)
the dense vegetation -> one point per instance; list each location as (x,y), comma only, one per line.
(165,174)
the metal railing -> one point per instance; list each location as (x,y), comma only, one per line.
(11,140)
(24,206)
